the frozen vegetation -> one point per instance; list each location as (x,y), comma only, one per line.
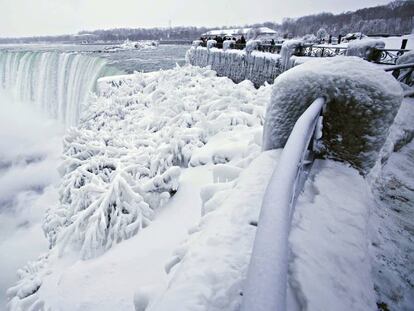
(123,163)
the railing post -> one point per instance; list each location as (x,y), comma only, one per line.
(404,44)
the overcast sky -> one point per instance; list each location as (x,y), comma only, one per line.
(51,17)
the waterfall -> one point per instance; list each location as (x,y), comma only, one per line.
(58,84)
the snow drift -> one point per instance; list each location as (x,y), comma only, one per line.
(362,101)
(237,65)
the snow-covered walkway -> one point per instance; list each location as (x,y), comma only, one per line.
(330,265)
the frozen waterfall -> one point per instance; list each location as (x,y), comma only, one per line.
(58,84)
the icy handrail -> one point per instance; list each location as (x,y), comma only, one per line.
(402,66)
(266,284)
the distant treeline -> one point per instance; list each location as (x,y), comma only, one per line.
(396,18)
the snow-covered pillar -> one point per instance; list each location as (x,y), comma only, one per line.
(288,49)
(365,48)
(362,101)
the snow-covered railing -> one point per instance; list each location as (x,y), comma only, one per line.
(405,76)
(389,56)
(266,284)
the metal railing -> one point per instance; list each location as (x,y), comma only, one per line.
(321,50)
(266,284)
(403,73)
(381,56)
(389,56)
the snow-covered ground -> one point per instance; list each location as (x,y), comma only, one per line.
(214,259)
(395,42)
(392,221)
(330,266)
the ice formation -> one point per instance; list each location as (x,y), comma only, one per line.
(55,83)
(362,101)
(123,162)
(237,65)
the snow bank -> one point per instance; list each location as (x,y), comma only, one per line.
(362,101)
(330,266)
(392,182)
(237,65)
(123,162)
(365,48)
(215,258)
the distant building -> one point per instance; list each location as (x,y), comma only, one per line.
(249,33)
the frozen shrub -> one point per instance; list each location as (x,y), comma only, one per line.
(362,101)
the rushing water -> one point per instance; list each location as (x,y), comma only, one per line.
(43,90)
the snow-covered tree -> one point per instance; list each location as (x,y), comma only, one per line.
(321,34)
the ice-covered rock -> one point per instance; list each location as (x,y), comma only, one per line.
(237,65)
(362,101)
